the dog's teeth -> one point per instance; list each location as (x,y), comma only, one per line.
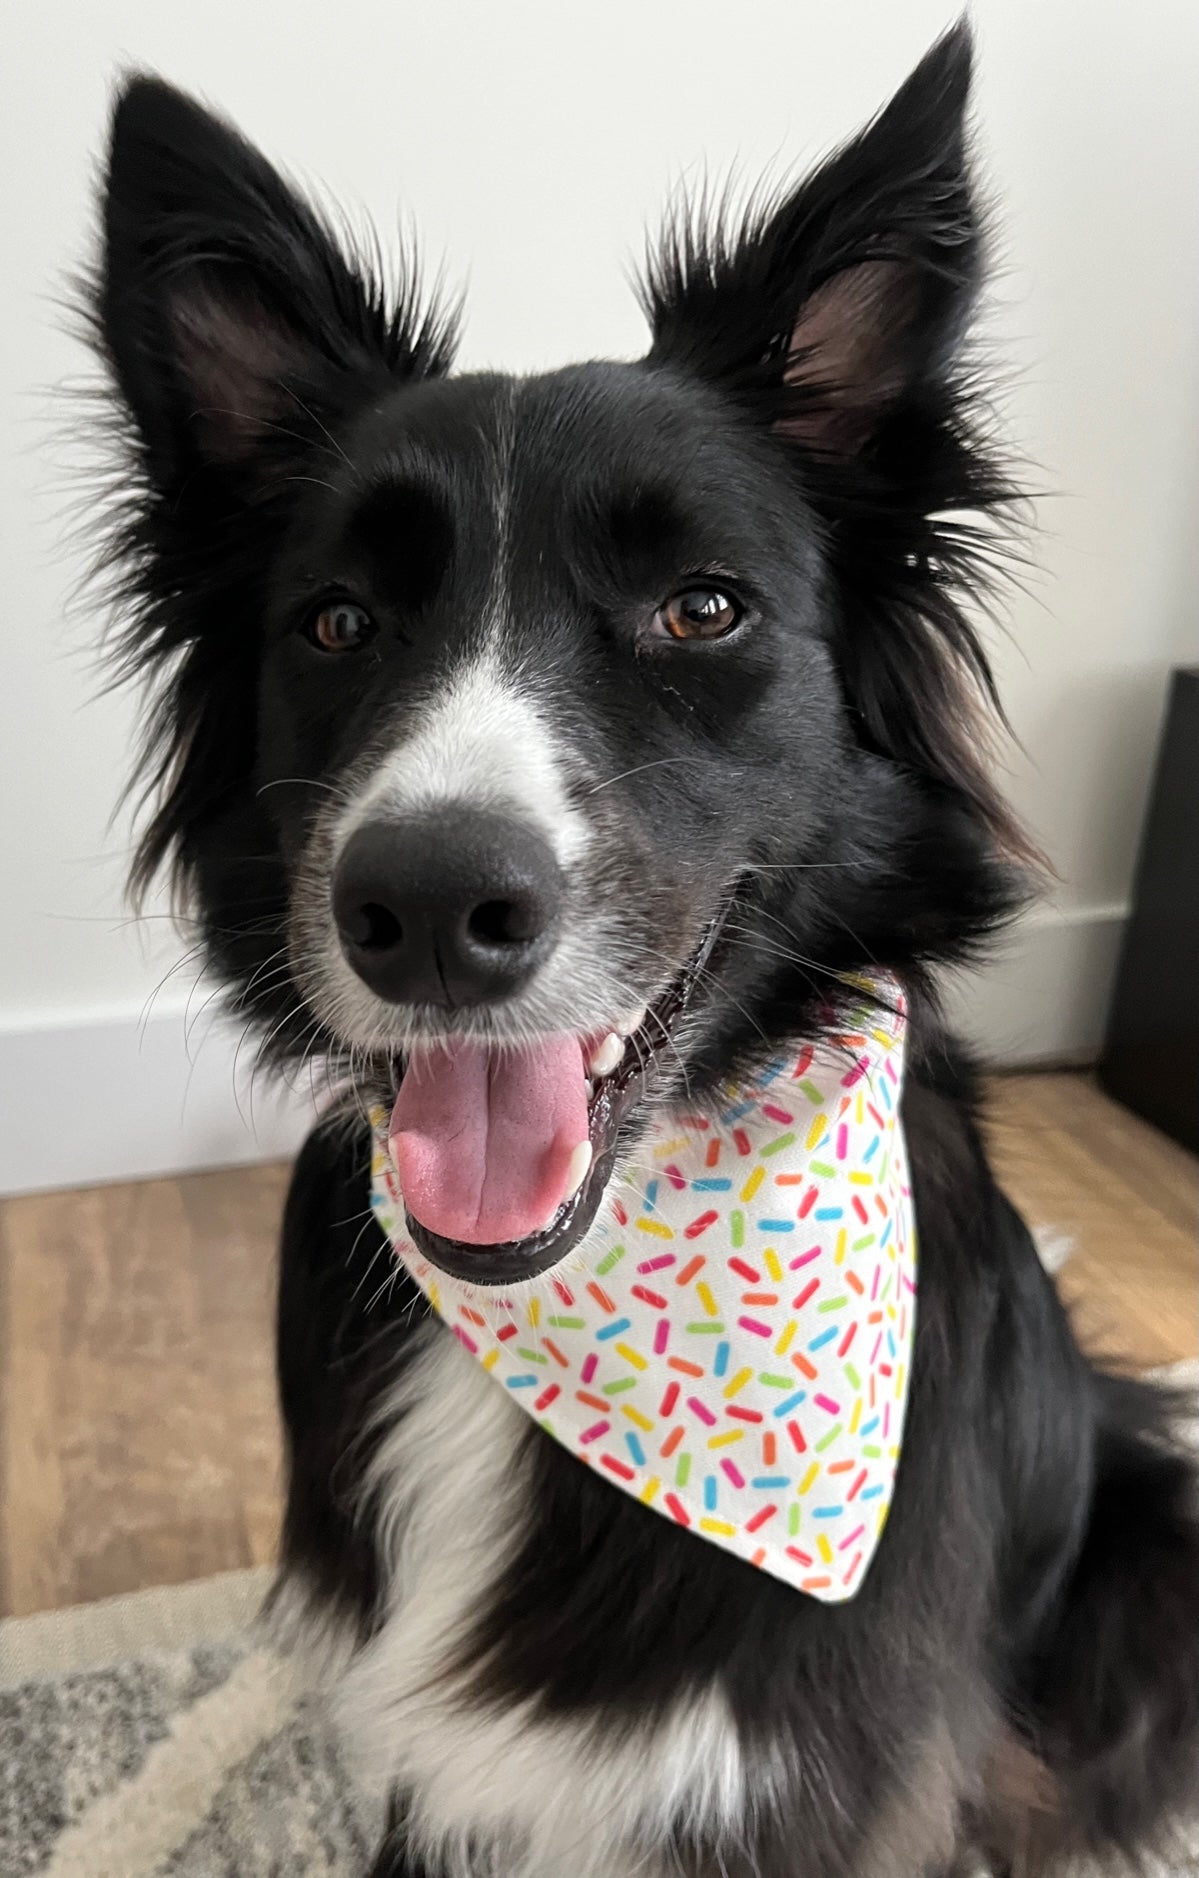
(633,1021)
(576,1171)
(607,1056)
(589,1085)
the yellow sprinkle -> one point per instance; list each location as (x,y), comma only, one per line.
(824,1548)
(534,1312)
(638,1419)
(880,1036)
(704,1293)
(842,1242)
(809,1477)
(854,1419)
(491,1359)
(752,1184)
(899,1379)
(784,1342)
(861,1180)
(770,1260)
(656,1227)
(815,1131)
(860,1109)
(649,1490)
(736,1384)
(435,1297)
(717,1525)
(726,1440)
(671,1147)
(631,1356)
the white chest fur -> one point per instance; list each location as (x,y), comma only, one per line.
(498,1790)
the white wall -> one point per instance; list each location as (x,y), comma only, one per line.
(530,143)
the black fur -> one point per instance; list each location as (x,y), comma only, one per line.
(805,423)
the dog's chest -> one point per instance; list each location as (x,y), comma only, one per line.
(493,1788)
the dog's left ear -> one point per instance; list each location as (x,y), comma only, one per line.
(832,309)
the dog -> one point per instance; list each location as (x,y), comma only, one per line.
(543,756)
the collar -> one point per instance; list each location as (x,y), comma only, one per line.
(731,1343)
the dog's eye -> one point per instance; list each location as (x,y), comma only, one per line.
(340,626)
(699,613)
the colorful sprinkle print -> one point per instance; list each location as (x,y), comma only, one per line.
(732,1342)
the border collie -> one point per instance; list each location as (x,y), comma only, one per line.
(572,743)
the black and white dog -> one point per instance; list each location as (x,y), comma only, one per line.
(607,718)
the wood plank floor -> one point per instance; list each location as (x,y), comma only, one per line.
(138,1433)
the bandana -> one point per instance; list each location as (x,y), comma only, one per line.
(731,1343)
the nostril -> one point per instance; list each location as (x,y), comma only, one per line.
(505,922)
(373,927)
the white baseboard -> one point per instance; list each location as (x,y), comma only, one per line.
(110,1098)
(83,1102)
(1043,996)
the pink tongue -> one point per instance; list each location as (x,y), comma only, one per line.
(482,1141)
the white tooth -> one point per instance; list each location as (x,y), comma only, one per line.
(632,1022)
(589,1086)
(576,1171)
(605,1058)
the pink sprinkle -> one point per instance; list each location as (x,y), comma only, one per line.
(656,1265)
(619,1213)
(886,1421)
(878,1273)
(874,1353)
(661,1335)
(856,1073)
(758,1329)
(564,1292)
(595,1431)
(698,1408)
(734,1473)
(853,1566)
(776,1114)
(842,1142)
(467,1342)
(677,1180)
(589,1367)
(852,1539)
(827,1404)
(805,1258)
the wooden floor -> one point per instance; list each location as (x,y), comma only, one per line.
(138,1435)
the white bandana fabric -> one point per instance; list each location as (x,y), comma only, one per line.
(732,1343)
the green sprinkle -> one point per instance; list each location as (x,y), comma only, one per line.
(855,1381)
(859,1245)
(532,1356)
(565,1323)
(776,1382)
(823,1169)
(872,1452)
(793,1513)
(833,1304)
(886,1287)
(813,1094)
(682,1472)
(829,1438)
(706,1330)
(613,1258)
(737,1228)
(779,1142)
(617,1388)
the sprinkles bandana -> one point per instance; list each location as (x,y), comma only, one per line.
(731,1343)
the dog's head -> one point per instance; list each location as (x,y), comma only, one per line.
(544,747)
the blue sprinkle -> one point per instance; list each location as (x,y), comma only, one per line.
(870,1150)
(827,1512)
(771,1480)
(891,1343)
(722,1359)
(886,1235)
(709,1493)
(817,1343)
(777,1225)
(793,1401)
(635,1449)
(885,1092)
(869,1427)
(870,1493)
(828,1212)
(651,1195)
(711,1186)
(523,1382)
(735,1114)
(612,1330)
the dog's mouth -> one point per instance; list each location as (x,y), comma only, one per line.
(504,1156)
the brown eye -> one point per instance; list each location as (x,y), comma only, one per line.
(699,613)
(340,626)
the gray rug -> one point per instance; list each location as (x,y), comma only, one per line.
(157,1736)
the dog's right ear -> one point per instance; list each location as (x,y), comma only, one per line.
(226,307)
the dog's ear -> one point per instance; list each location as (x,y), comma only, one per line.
(227,308)
(829,310)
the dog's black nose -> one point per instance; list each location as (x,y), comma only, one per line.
(458,906)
